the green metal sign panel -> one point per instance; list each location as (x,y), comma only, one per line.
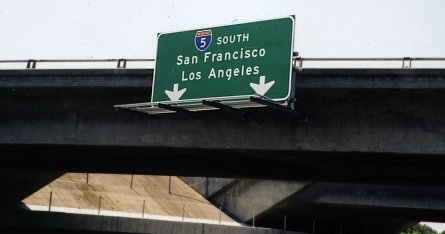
(222,62)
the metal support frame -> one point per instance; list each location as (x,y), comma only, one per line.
(131,182)
(121,63)
(234,106)
(100,203)
(217,104)
(290,107)
(292,98)
(143,208)
(177,109)
(183,212)
(169,185)
(253,218)
(50,200)
(137,111)
(270,103)
(407,59)
(31,64)
(277,106)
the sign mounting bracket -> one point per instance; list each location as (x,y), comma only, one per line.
(177,109)
(277,106)
(217,104)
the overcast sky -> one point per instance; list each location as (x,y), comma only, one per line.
(71,29)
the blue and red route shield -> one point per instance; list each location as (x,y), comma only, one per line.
(203,39)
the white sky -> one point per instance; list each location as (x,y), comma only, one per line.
(79,29)
(439,227)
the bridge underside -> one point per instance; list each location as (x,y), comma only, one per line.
(381,168)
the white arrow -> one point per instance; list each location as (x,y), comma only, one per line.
(176,94)
(262,87)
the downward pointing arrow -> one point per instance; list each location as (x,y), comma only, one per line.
(262,87)
(176,94)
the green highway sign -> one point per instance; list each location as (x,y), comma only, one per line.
(233,61)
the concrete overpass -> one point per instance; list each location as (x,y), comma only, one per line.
(360,121)
(382,129)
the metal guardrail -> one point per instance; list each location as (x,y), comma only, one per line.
(406,62)
(32,63)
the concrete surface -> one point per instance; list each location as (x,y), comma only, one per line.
(38,222)
(207,186)
(76,78)
(248,198)
(117,195)
(373,206)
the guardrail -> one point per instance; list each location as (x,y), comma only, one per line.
(406,62)
(32,63)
